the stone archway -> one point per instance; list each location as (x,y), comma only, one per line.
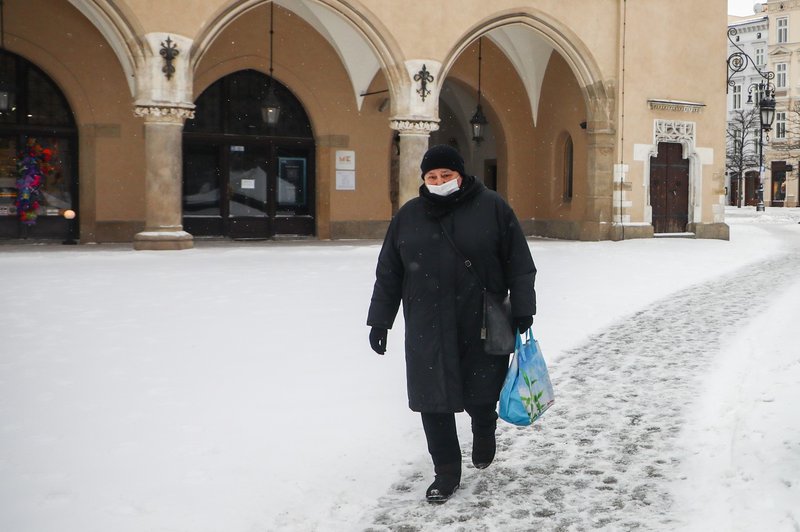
(528,39)
(363,44)
(122,32)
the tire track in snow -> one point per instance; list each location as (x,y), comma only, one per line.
(604,455)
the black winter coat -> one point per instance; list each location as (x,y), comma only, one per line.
(446,365)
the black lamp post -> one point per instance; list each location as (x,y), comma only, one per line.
(765,91)
(766,107)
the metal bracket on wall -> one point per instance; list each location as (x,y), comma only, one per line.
(169,51)
(424,77)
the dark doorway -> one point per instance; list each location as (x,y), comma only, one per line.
(244,178)
(35,117)
(751,188)
(750,196)
(779,171)
(669,189)
(490,174)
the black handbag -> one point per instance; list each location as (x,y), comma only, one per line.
(497,331)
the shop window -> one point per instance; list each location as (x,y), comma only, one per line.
(34,110)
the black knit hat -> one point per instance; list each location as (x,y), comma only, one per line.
(442,156)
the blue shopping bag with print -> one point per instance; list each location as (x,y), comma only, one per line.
(527,391)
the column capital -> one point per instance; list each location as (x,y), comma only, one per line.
(164,80)
(173,114)
(411,126)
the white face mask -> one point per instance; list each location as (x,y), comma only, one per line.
(445,189)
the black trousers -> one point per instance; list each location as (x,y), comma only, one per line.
(440,432)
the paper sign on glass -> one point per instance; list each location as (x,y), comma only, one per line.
(345,180)
(248,183)
(345,160)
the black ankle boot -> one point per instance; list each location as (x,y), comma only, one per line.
(484,444)
(448,479)
(483,450)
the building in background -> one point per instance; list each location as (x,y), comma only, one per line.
(783,151)
(259,119)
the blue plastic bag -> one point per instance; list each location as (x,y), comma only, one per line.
(527,391)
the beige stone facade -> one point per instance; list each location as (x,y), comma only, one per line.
(579,97)
(782,152)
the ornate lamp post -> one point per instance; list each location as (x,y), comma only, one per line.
(738,61)
(766,107)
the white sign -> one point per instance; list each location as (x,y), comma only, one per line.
(345,180)
(345,160)
(248,183)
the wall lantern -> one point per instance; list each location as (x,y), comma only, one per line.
(270,108)
(478,120)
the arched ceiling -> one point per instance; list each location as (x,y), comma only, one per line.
(116,26)
(353,49)
(529,53)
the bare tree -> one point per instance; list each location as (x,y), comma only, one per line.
(787,145)
(742,146)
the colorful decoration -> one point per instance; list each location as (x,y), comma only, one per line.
(33,165)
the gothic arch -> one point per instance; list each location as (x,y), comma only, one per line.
(598,95)
(373,37)
(121,31)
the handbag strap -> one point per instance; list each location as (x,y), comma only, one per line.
(468,265)
(467,262)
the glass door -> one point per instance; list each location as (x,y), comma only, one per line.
(293,190)
(247,190)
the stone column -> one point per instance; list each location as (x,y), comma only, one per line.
(414,136)
(597,218)
(414,117)
(164,100)
(163,136)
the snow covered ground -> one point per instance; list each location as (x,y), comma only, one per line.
(231,388)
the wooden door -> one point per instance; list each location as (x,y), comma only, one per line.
(669,189)
(733,198)
(751,180)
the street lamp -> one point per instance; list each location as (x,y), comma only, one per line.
(766,107)
(765,91)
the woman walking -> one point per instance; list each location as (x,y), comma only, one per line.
(422,263)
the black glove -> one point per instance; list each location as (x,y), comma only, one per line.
(377,340)
(522,323)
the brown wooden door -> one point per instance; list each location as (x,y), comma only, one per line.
(669,189)
(733,196)
(751,188)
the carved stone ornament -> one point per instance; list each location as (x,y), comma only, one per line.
(674,105)
(162,113)
(675,131)
(414,126)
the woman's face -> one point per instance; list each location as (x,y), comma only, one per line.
(440,176)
